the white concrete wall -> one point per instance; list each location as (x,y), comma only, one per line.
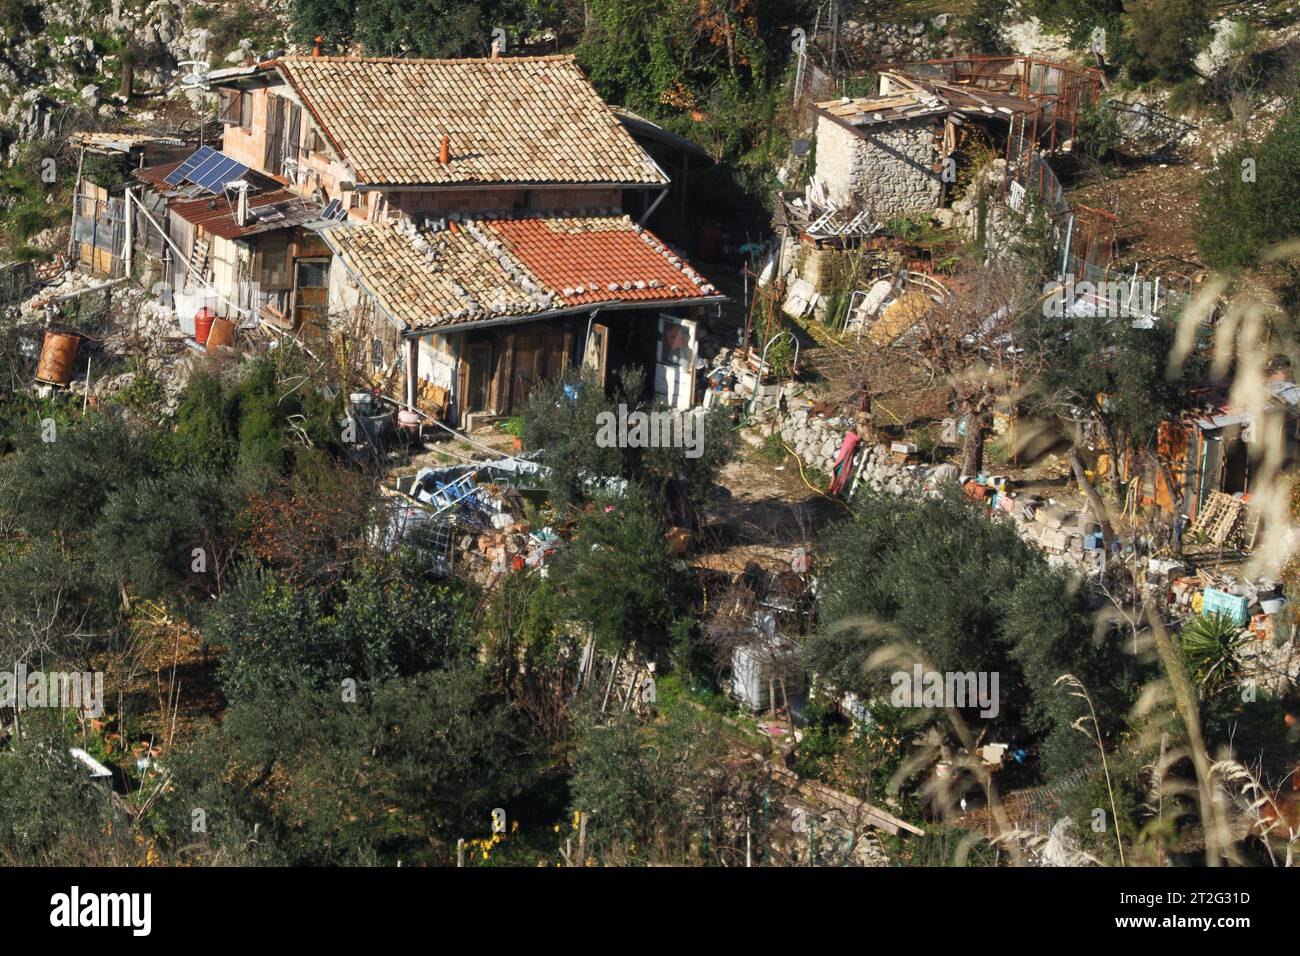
(438,360)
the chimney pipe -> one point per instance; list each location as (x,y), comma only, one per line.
(444,151)
(315,50)
(241,203)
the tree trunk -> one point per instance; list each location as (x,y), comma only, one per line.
(128,73)
(972,449)
(1094,499)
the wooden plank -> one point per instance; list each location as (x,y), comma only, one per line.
(819,792)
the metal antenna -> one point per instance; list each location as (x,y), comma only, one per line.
(197,79)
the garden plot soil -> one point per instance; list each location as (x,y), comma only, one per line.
(1156,206)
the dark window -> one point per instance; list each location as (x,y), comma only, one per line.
(313,274)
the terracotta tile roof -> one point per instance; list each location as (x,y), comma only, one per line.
(597,259)
(476,270)
(509,120)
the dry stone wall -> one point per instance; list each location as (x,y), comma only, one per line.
(885,168)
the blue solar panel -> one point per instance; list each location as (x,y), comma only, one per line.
(216,172)
(207,169)
(334,211)
(182,172)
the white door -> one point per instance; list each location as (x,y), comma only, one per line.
(675,361)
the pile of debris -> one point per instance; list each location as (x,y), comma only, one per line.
(510,545)
(472,517)
(1069,537)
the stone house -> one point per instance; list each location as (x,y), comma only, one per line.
(899,151)
(889,168)
(474,215)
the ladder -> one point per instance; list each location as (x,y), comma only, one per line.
(450,494)
(200,259)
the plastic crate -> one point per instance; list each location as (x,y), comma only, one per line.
(1229,605)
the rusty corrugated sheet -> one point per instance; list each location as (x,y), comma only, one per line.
(216,214)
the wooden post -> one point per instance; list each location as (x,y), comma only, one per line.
(610,685)
(129,251)
(582,839)
(76,205)
(460,852)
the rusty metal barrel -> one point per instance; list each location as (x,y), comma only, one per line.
(58,357)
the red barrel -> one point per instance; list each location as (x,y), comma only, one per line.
(203,325)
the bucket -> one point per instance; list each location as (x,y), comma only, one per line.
(203,324)
(220,334)
(58,356)
(408,420)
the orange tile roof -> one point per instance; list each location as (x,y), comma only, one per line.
(509,120)
(476,270)
(594,260)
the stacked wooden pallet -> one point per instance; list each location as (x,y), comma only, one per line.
(1220,524)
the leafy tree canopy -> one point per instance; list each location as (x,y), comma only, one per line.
(939,577)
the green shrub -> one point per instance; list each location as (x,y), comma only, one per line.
(1166,35)
(1250,197)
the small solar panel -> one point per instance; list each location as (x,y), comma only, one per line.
(334,211)
(182,172)
(208,170)
(216,172)
(268,213)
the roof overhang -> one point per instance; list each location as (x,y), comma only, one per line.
(498,186)
(590,307)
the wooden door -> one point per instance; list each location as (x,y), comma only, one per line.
(478,385)
(310,292)
(528,367)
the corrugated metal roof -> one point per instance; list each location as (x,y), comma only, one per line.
(919,98)
(216,214)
